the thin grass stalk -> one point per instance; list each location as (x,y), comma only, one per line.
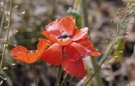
(2,21)
(108,50)
(6,42)
(97,75)
(105,57)
(93,60)
(3,17)
(111,44)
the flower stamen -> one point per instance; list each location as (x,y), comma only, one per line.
(64,35)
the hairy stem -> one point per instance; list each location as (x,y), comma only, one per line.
(35,74)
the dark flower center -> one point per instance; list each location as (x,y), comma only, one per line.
(64,35)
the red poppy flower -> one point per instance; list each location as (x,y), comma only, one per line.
(29,56)
(64,36)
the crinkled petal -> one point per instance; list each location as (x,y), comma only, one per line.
(68,24)
(53,55)
(55,33)
(42,44)
(88,44)
(49,36)
(19,51)
(76,51)
(82,33)
(74,68)
(27,58)
(41,47)
(21,58)
(64,24)
(54,26)
(64,42)
(76,31)
(22,54)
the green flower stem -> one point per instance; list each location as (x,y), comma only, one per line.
(6,42)
(35,74)
(59,76)
(93,60)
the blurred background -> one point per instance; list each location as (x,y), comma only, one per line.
(105,17)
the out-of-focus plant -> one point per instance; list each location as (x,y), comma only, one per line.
(5,45)
(31,24)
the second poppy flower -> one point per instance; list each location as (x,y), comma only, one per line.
(29,56)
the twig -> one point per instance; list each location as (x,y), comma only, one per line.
(3,17)
(6,42)
(104,57)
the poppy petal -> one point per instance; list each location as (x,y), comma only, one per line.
(22,54)
(76,31)
(49,36)
(42,44)
(53,55)
(95,53)
(64,42)
(82,33)
(88,44)
(54,32)
(54,27)
(19,53)
(21,58)
(68,24)
(74,68)
(19,50)
(76,51)
(64,24)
